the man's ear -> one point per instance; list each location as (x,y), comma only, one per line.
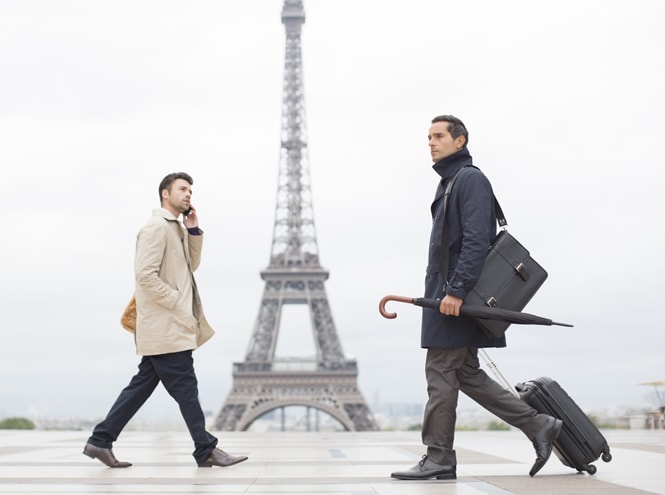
(460,141)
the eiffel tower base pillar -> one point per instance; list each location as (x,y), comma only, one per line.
(256,393)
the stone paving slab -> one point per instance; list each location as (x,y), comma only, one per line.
(343,463)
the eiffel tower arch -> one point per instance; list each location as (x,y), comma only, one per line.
(327,382)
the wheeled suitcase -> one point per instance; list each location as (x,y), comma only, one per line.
(580,442)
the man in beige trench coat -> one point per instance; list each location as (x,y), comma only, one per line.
(169,325)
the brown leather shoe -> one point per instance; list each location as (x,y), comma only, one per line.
(220,458)
(104,455)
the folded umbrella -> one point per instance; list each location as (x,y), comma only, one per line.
(483,312)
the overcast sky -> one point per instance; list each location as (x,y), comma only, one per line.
(99,100)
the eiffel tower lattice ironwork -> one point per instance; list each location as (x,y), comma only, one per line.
(327,382)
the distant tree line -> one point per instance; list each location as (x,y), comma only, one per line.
(16,424)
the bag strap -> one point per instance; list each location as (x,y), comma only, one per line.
(500,217)
(498,211)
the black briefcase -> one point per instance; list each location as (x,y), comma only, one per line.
(509,280)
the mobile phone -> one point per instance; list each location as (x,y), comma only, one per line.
(186,213)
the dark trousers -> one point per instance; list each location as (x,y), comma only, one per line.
(176,372)
(450,371)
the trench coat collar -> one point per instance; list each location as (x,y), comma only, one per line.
(164,213)
(450,165)
(168,216)
(447,168)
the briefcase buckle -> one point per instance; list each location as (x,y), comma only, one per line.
(521,271)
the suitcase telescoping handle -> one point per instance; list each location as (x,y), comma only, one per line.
(499,376)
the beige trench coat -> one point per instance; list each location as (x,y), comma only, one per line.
(169,316)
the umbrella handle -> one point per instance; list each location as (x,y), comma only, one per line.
(382,305)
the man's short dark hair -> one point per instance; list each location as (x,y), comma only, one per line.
(170,179)
(455,126)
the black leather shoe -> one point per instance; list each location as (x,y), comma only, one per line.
(543,443)
(220,458)
(104,455)
(427,469)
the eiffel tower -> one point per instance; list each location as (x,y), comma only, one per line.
(263,383)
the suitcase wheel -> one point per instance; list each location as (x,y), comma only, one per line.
(607,457)
(591,469)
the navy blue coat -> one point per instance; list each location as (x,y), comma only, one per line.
(471,228)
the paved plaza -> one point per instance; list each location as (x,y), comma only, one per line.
(342,463)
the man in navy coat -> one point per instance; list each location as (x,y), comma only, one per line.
(452,341)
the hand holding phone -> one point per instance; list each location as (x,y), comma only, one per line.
(189,217)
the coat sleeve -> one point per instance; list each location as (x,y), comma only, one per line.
(195,243)
(150,248)
(475,199)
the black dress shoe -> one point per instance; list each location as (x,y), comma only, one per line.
(104,455)
(220,458)
(427,469)
(543,443)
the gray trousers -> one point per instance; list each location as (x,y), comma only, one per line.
(450,370)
